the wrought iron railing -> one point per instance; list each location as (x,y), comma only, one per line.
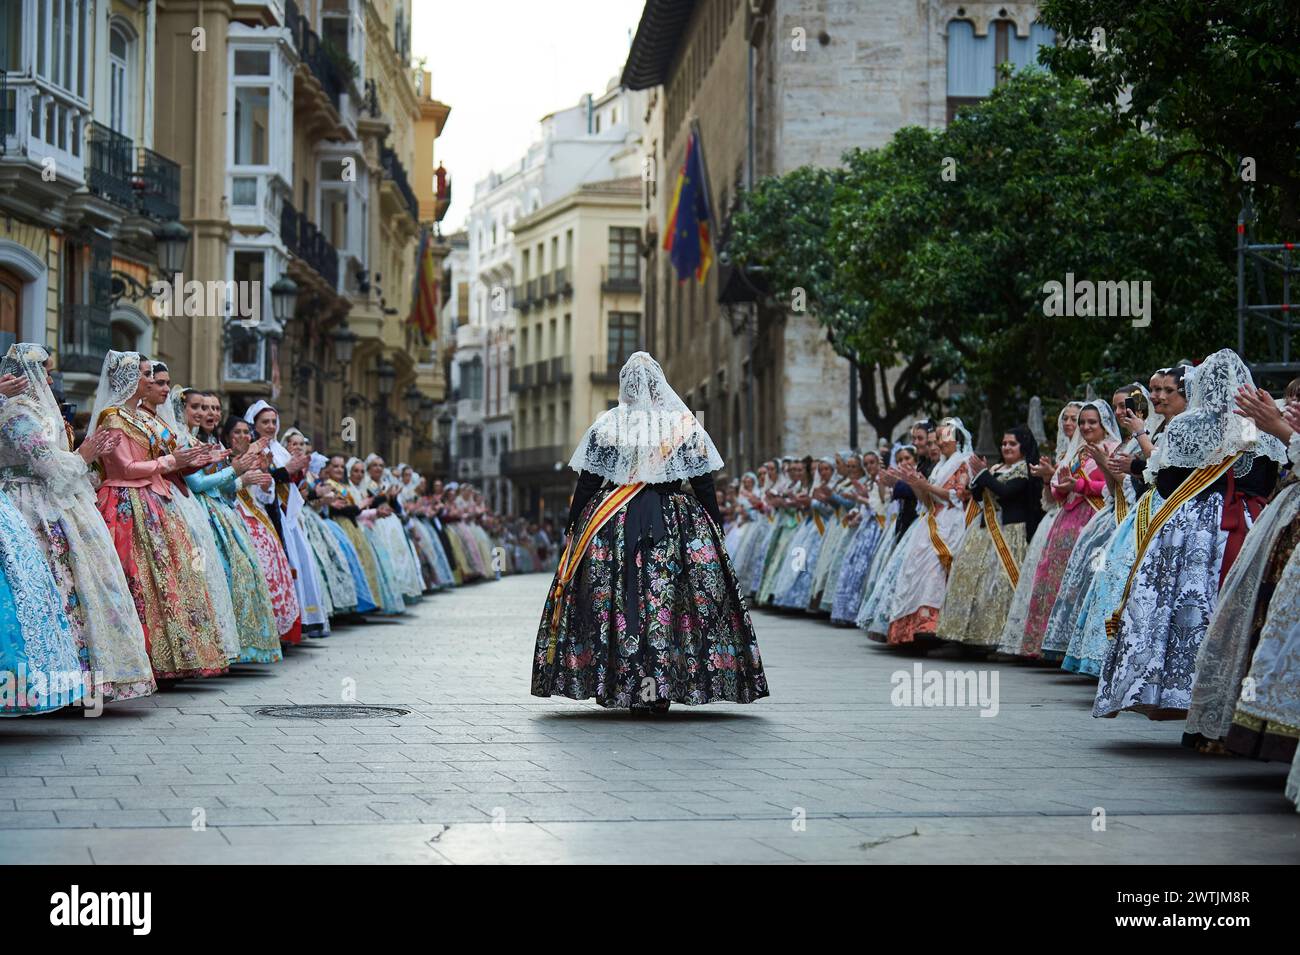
(562,282)
(85,334)
(111,165)
(614,278)
(8,125)
(533,459)
(308,243)
(158,185)
(395,172)
(521,298)
(318,61)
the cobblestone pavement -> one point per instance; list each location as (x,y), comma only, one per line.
(826,770)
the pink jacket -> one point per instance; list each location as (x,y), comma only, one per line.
(1091,484)
(129,465)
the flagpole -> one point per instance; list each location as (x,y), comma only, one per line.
(708,188)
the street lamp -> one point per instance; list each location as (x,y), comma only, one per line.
(284,299)
(426,412)
(345,339)
(387,378)
(444,426)
(412,398)
(171,239)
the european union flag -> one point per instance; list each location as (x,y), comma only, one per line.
(686,237)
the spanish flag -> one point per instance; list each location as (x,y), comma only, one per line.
(424,303)
(686,238)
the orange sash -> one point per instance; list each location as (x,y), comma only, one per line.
(577,547)
(1148,526)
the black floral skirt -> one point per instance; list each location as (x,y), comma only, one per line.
(695,643)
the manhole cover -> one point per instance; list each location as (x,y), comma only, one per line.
(330,711)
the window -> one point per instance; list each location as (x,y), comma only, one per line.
(471,379)
(624,250)
(973,61)
(624,337)
(252,125)
(119,78)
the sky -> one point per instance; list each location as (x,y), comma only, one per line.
(501,65)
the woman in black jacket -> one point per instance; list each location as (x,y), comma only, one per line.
(645,607)
(1003,510)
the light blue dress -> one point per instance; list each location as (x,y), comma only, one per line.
(365,600)
(41,669)
(1089,645)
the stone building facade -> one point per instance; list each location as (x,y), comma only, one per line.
(772,85)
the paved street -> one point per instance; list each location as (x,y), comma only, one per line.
(826,770)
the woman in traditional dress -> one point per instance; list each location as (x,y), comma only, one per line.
(837,507)
(1015,631)
(424,513)
(254,613)
(287,501)
(1078,487)
(238,437)
(385,493)
(341,512)
(340,590)
(918,597)
(793,585)
(645,608)
(207,560)
(859,481)
(50,485)
(882,577)
(153,543)
(1259,595)
(1210,473)
(1090,549)
(986,569)
(754,525)
(749,568)
(41,665)
(1089,644)
(791,506)
(877,516)
(368,510)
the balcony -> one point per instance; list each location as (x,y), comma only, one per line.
(521,298)
(545,289)
(40,123)
(111,173)
(562,369)
(395,173)
(561,282)
(620,280)
(313,55)
(533,286)
(85,336)
(158,186)
(522,378)
(603,371)
(534,460)
(542,373)
(309,244)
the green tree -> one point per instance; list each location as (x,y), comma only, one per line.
(926,259)
(1224,72)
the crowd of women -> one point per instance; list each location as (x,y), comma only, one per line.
(1151,546)
(172,543)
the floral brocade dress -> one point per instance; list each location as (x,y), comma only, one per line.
(157,553)
(1078,505)
(51,487)
(275,566)
(691,640)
